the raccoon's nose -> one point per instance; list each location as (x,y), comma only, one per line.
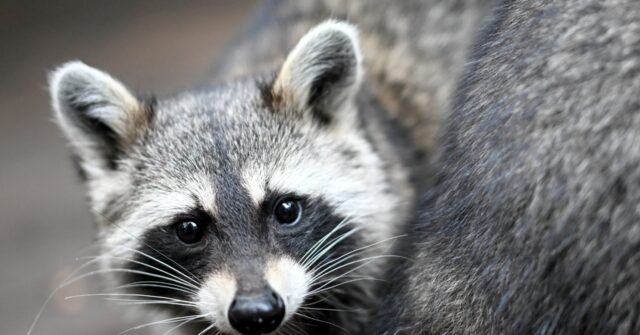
(256,314)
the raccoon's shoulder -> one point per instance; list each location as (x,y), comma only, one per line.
(533,226)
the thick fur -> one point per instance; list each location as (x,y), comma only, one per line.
(335,118)
(223,156)
(413,50)
(534,226)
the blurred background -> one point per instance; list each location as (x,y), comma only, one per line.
(154,46)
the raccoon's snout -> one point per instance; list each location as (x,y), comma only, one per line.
(257,314)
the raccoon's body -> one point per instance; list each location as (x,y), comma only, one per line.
(267,203)
(534,224)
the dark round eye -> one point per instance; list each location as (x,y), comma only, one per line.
(288,211)
(189,232)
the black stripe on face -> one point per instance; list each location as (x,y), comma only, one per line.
(225,244)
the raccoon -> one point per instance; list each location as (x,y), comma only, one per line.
(533,226)
(267,200)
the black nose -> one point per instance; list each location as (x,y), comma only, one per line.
(256,314)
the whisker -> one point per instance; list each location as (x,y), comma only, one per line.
(323,321)
(367,260)
(66,282)
(177,279)
(171,320)
(335,286)
(324,309)
(330,246)
(318,244)
(357,251)
(185,322)
(299,329)
(123,270)
(144,243)
(207,329)
(123,295)
(155,284)
(193,279)
(150,302)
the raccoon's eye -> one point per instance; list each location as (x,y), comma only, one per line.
(189,232)
(288,211)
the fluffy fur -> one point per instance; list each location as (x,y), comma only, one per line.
(223,156)
(534,226)
(413,52)
(290,113)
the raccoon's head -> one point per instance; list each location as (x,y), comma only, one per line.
(234,205)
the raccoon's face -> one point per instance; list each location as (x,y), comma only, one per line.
(236,205)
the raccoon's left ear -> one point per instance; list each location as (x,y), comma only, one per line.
(322,74)
(97,113)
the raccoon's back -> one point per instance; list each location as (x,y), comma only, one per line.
(535,226)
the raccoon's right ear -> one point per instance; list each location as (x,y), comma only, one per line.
(97,113)
(322,74)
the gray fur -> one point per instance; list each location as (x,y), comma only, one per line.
(413,50)
(224,152)
(346,135)
(534,226)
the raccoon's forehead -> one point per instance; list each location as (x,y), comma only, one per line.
(231,134)
(202,146)
(217,126)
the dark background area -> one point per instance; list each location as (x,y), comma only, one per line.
(153,47)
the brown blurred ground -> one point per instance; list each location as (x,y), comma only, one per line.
(154,46)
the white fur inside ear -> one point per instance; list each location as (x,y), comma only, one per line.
(96,113)
(78,88)
(329,51)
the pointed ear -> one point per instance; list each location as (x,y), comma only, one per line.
(99,116)
(322,73)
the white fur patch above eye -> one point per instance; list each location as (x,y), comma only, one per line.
(254,181)
(157,207)
(289,279)
(357,194)
(215,298)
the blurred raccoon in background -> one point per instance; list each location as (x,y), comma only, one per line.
(533,226)
(266,201)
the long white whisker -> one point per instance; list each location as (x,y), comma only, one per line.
(177,279)
(144,243)
(96,272)
(317,245)
(330,246)
(193,318)
(156,284)
(365,261)
(171,320)
(124,295)
(335,286)
(324,309)
(191,278)
(355,251)
(151,302)
(323,321)
(299,329)
(64,284)
(349,277)
(207,329)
